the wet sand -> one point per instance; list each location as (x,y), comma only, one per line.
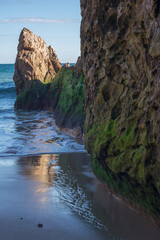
(60,192)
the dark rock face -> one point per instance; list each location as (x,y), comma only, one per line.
(120,45)
(35,61)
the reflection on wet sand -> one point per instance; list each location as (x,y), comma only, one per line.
(67,181)
(58,175)
(40,168)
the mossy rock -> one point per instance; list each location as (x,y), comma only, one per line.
(71,96)
(64,95)
(32,98)
(125,158)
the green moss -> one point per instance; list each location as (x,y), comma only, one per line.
(65,95)
(33,97)
(129,161)
(141,173)
(119,150)
(121,162)
(124,141)
(99,136)
(72,93)
(138,164)
(139,155)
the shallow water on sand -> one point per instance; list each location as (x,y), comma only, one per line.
(27,132)
(33,132)
(60,192)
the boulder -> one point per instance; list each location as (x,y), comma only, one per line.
(35,61)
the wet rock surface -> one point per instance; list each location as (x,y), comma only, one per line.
(120,45)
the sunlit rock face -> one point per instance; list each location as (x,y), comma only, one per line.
(35,61)
(120,45)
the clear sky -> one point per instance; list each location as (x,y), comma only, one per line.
(56,21)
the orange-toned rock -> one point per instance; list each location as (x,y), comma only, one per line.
(67,65)
(35,61)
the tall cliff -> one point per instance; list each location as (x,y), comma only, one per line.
(120,45)
(35,61)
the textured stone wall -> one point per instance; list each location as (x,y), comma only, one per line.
(120,45)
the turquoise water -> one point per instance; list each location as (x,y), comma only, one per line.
(27,132)
(7,88)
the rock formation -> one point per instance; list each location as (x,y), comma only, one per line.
(63,91)
(67,65)
(120,45)
(35,61)
(64,96)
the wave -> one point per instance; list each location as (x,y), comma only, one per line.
(6,81)
(7,68)
(11,154)
(7,90)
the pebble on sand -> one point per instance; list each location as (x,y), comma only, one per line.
(39,225)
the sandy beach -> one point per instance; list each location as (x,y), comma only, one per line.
(57,197)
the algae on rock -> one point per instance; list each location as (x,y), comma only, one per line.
(121,64)
(64,95)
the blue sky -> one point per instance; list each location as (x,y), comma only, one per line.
(57,21)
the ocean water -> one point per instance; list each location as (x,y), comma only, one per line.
(27,132)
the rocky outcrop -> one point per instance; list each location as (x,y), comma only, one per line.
(64,96)
(120,45)
(42,84)
(67,65)
(35,61)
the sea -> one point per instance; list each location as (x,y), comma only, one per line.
(27,132)
(47,187)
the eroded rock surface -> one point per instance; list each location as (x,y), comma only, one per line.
(35,61)
(120,43)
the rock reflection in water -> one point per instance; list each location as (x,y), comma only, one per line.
(40,168)
(58,176)
(66,181)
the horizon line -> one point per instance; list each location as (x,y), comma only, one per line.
(39,20)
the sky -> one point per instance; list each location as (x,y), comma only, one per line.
(56,21)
